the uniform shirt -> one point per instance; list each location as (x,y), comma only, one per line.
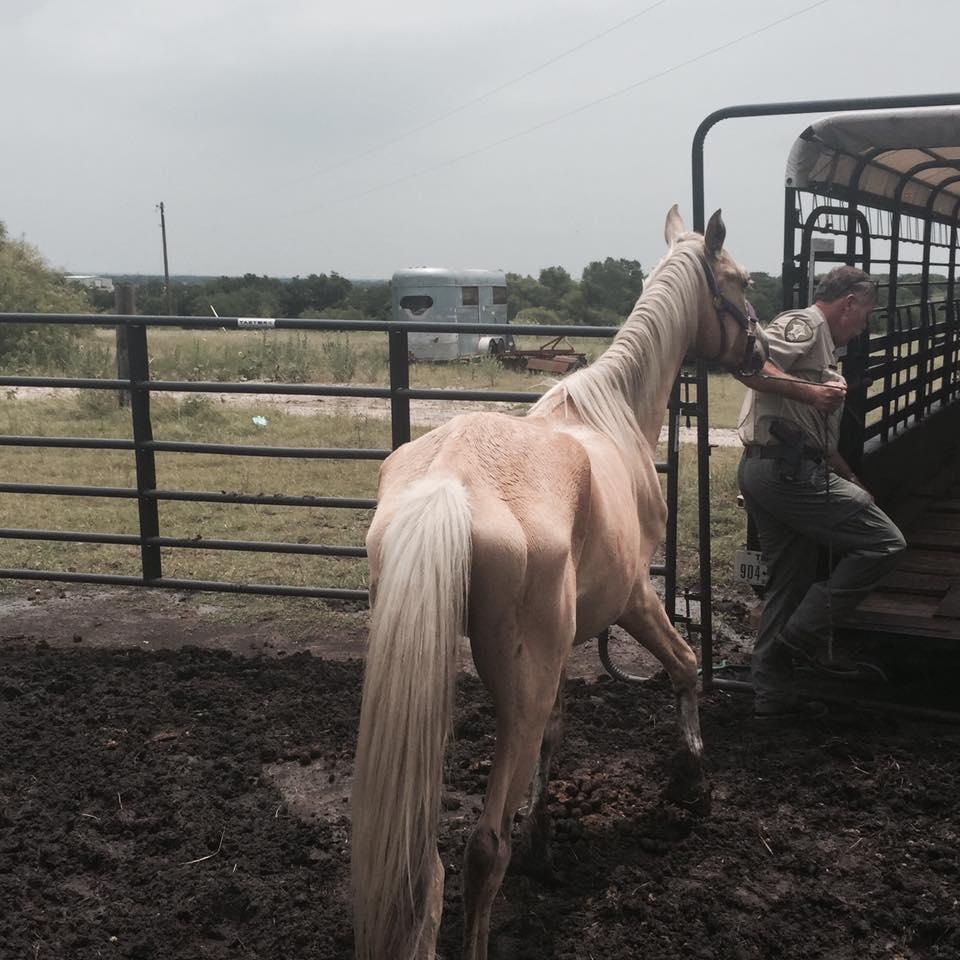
(800,344)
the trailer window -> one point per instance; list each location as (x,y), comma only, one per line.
(499,294)
(471,296)
(416,304)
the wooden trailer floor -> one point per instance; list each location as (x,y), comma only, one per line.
(921,598)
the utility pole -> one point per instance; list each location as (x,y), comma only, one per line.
(166,269)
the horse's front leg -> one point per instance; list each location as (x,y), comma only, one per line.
(647,621)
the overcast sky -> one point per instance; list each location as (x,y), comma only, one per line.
(297,136)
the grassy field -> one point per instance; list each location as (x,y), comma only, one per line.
(302,357)
(198,418)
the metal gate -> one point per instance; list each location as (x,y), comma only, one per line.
(144,448)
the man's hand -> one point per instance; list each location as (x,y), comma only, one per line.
(827,397)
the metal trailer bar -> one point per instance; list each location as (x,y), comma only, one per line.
(145,446)
(947,371)
(854,435)
(699,222)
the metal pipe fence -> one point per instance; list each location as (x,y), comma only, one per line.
(144,447)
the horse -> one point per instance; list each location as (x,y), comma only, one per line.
(528,535)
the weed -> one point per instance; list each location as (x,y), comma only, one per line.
(490,370)
(376,360)
(341,359)
(98,403)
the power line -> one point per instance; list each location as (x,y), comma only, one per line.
(484,96)
(570,113)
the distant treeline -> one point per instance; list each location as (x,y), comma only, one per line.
(604,295)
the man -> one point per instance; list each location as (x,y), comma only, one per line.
(802,495)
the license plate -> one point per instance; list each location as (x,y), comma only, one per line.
(750,567)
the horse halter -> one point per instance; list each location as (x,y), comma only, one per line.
(756,350)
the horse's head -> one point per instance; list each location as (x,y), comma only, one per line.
(727,328)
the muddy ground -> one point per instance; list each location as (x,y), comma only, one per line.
(174,784)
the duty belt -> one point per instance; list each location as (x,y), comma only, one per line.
(780,451)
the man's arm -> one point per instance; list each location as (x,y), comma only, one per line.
(825,397)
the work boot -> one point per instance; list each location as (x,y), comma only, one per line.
(784,711)
(839,668)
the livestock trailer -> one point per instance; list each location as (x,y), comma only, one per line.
(877,185)
(438,295)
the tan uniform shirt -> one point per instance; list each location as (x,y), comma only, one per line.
(801,345)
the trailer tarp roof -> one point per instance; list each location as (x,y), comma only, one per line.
(919,145)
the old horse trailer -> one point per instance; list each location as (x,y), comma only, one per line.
(467,297)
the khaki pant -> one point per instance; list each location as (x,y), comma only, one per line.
(795,517)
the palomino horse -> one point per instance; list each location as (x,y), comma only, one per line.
(528,535)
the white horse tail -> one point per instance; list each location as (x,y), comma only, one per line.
(419,615)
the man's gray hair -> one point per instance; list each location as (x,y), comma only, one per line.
(843,280)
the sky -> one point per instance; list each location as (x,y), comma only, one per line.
(292,137)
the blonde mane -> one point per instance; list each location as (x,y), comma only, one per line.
(628,378)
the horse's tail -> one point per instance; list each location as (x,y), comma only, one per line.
(418,617)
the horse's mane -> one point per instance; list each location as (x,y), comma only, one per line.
(628,376)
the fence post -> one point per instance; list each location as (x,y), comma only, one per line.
(143,440)
(124,305)
(399,383)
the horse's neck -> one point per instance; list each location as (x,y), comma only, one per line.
(647,355)
(624,395)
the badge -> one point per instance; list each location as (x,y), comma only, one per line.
(797,330)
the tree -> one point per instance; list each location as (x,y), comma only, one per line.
(612,285)
(315,293)
(766,295)
(28,284)
(556,284)
(371,298)
(522,294)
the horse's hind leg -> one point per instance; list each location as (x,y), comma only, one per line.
(524,690)
(648,623)
(535,846)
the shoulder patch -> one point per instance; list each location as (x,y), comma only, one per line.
(797,330)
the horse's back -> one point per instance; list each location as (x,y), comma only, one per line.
(528,486)
(521,462)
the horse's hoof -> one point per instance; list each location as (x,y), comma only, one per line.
(536,864)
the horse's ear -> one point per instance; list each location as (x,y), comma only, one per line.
(674,226)
(715,235)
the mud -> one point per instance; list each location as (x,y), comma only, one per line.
(187,797)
